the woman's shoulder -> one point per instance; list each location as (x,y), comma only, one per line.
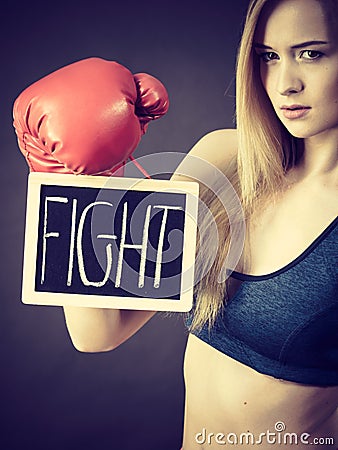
(218,147)
(220,135)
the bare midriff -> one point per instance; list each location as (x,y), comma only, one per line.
(225,398)
(227,401)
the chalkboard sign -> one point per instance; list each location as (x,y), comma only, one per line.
(112,242)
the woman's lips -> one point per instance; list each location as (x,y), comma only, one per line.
(294,111)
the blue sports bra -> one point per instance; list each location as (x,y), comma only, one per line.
(285,324)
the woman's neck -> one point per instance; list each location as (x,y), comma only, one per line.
(318,158)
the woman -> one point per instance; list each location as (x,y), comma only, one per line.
(262,357)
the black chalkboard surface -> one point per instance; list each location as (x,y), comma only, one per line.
(110,242)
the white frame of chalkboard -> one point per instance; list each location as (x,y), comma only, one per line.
(33,297)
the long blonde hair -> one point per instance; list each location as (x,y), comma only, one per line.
(266,151)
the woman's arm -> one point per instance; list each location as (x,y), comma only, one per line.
(101,329)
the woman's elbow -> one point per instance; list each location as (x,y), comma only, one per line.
(93,346)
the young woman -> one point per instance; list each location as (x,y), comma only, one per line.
(262,357)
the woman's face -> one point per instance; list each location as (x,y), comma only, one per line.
(299,66)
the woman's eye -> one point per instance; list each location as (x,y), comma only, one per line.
(268,56)
(311,54)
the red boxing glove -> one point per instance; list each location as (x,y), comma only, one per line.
(87,117)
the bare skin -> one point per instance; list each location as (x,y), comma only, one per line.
(223,395)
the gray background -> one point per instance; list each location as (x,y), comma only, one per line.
(54,397)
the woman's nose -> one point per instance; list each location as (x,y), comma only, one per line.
(289,79)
